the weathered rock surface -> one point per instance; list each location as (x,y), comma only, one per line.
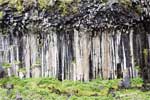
(92,42)
(125,83)
(2,72)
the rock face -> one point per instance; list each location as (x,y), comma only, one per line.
(36,72)
(99,40)
(2,72)
(78,55)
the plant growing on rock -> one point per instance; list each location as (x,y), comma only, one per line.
(17,62)
(7,66)
(1,14)
(23,70)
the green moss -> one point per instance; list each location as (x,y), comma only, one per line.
(37,63)
(126,2)
(66,7)
(63,7)
(136,82)
(43,3)
(145,52)
(46,3)
(138,68)
(138,9)
(52,89)
(6,65)
(17,62)
(17,4)
(1,14)
(23,70)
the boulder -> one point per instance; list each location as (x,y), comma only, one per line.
(111,91)
(8,86)
(126,82)
(18,97)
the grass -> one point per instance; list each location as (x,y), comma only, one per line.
(53,89)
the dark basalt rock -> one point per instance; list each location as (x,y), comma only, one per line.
(120,84)
(91,14)
(125,83)
(111,91)
(18,97)
(8,86)
(2,72)
(145,87)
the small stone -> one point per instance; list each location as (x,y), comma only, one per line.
(8,92)
(9,86)
(120,84)
(111,91)
(18,97)
(145,87)
(101,87)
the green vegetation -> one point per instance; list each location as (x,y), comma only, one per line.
(53,89)
(36,64)
(136,82)
(1,14)
(138,68)
(125,2)
(16,62)
(65,6)
(145,51)
(23,70)
(6,65)
(43,3)
(128,5)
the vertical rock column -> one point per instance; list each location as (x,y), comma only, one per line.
(35,60)
(105,55)
(49,55)
(95,59)
(147,56)
(27,54)
(132,69)
(82,51)
(53,55)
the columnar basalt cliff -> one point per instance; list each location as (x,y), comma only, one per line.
(79,40)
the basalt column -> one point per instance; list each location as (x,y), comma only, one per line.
(82,52)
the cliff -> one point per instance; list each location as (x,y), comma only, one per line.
(77,40)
